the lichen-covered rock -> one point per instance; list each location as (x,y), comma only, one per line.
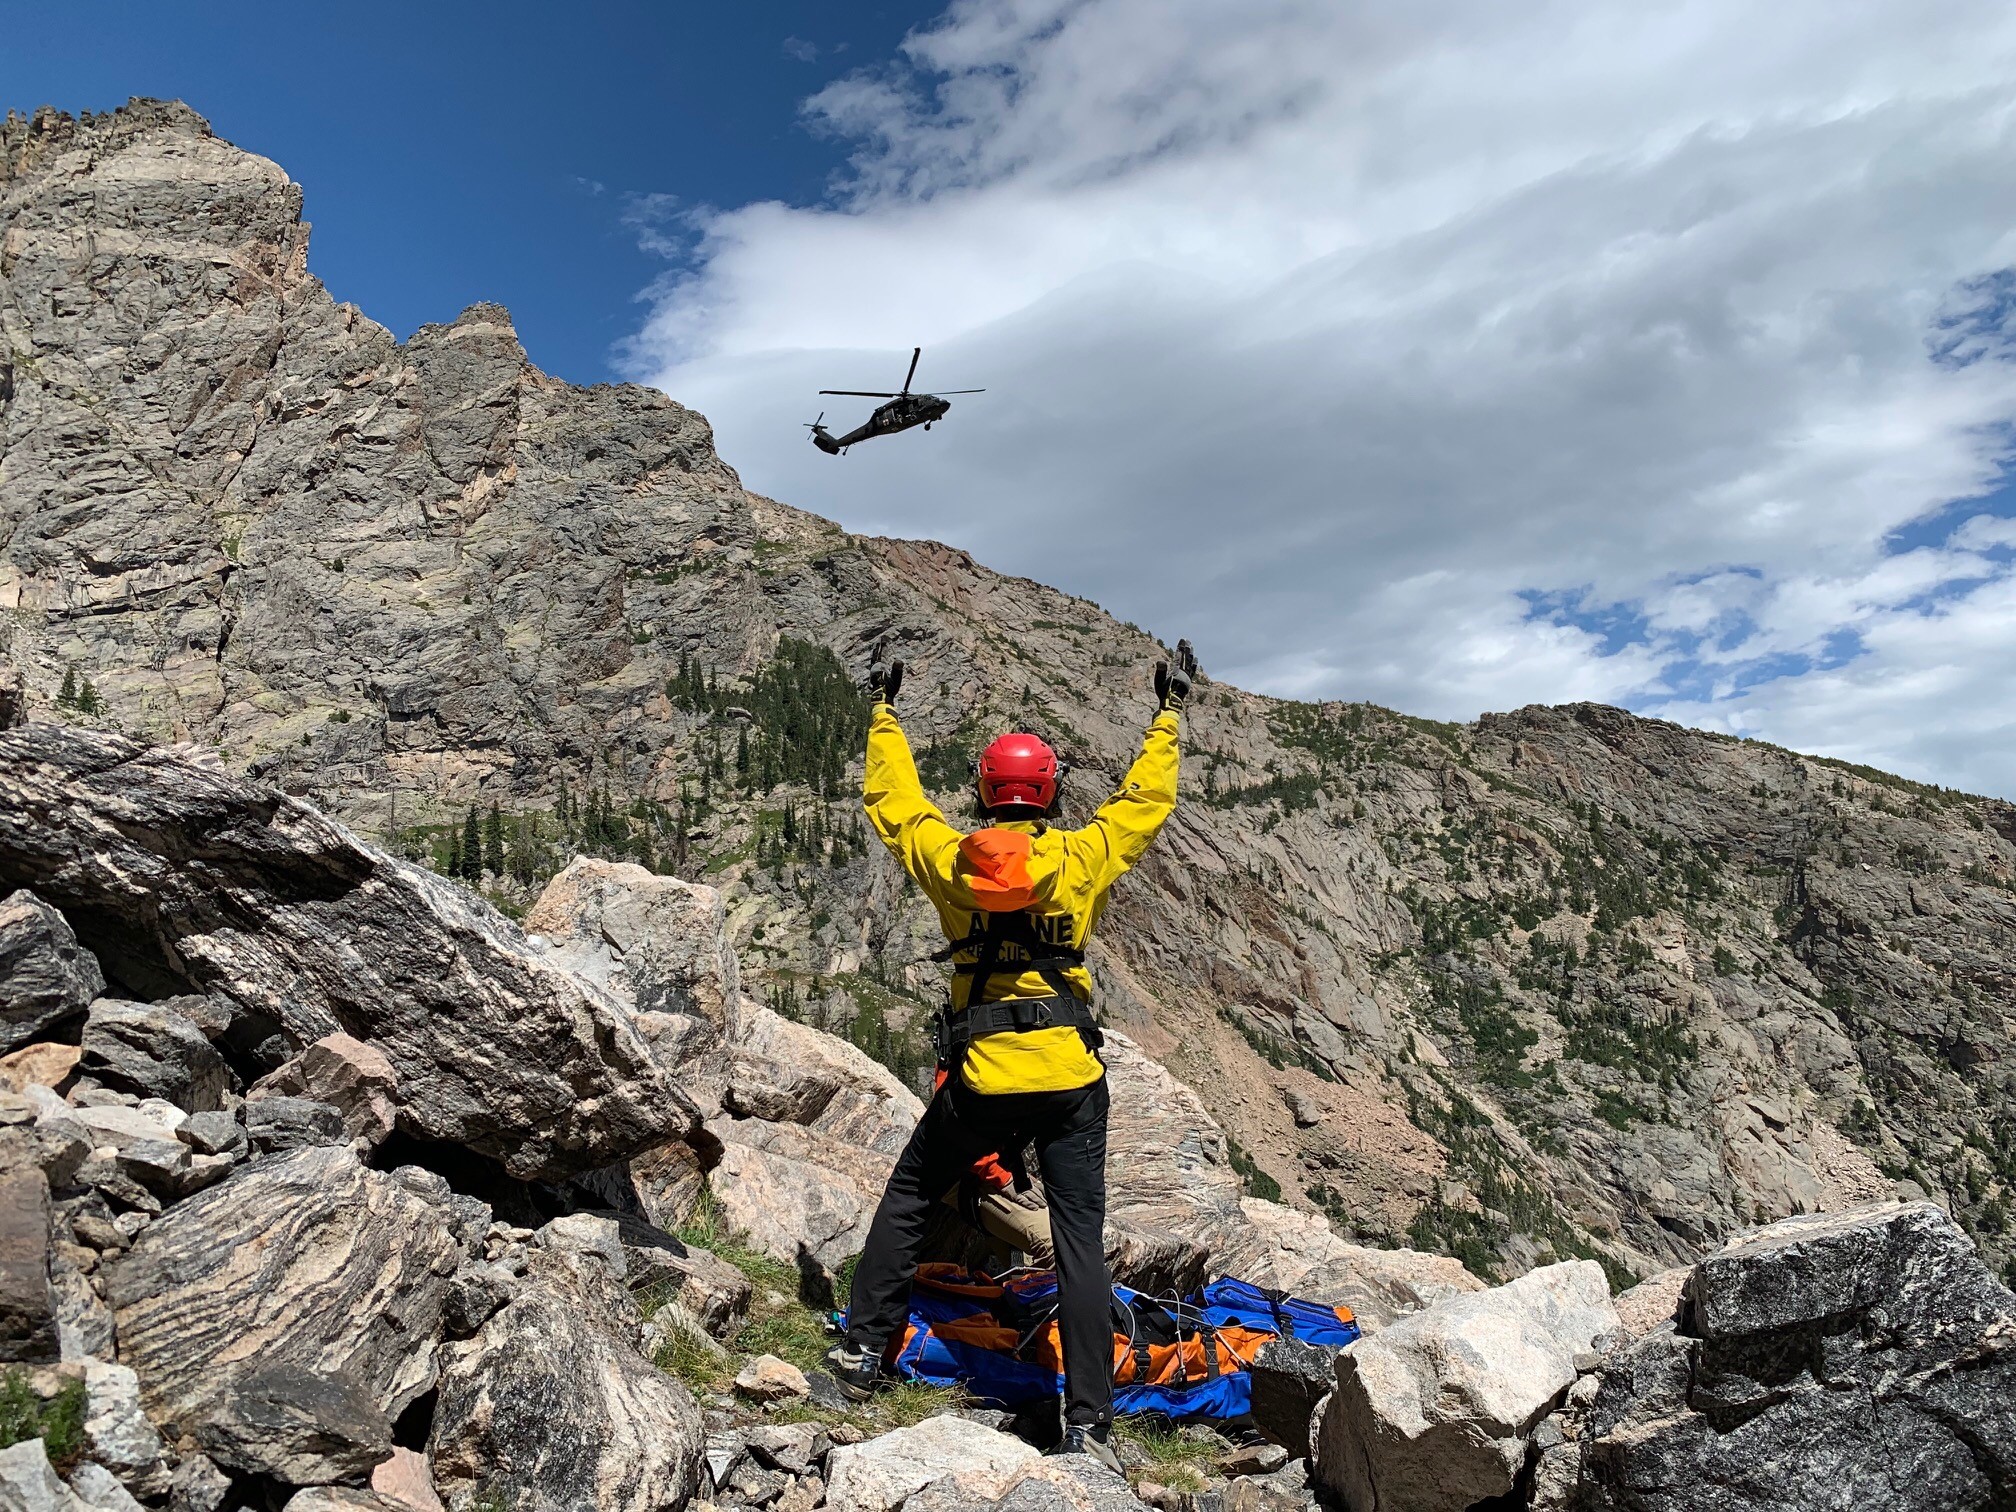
(308,1260)
(1434,1412)
(46,977)
(116,1429)
(290,913)
(879,1474)
(150,1050)
(552,1408)
(29,1483)
(1864,1359)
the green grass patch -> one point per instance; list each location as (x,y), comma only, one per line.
(783,1323)
(1176,1459)
(1257,1182)
(58,1422)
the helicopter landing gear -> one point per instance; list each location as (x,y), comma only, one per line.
(927,425)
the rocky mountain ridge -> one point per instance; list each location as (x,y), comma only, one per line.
(1561,982)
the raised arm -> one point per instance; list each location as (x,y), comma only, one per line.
(1127,823)
(909,823)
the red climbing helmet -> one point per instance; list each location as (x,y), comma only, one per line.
(1019,770)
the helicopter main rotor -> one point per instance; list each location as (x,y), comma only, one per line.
(904,392)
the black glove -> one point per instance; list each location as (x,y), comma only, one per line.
(1172,684)
(884,680)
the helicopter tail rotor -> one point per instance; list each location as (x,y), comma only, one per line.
(821,437)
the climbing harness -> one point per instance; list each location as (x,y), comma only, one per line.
(1008,944)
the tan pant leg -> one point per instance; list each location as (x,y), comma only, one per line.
(1023,1228)
(1003,1217)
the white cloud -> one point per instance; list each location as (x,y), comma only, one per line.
(1322,332)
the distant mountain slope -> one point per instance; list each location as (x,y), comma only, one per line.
(1562,981)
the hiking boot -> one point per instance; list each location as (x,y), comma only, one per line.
(1079,1439)
(858,1371)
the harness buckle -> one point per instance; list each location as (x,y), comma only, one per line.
(1031,1013)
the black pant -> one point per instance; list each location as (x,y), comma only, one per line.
(1069,1132)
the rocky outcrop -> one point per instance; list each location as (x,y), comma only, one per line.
(1300,1253)
(656,944)
(184,878)
(354,1078)
(46,977)
(27,1304)
(295,1426)
(806,1132)
(879,1475)
(309,1260)
(1864,1359)
(550,1407)
(1437,1412)
(151,1050)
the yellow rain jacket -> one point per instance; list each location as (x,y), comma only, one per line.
(1061,876)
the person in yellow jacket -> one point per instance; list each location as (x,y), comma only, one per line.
(1018,1044)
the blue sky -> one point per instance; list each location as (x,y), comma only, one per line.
(451,153)
(1453,355)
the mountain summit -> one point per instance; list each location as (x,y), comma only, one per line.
(1562,982)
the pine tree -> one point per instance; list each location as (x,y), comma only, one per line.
(88,701)
(742,756)
(66,696)
(472,847)
(493,841)
(454,867)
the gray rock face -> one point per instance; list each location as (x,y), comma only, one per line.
(275,1125)
(45,975)
(101,1490)
(883,1472)
(1435,1412)
(29,1483)
(552,1407)
(1859,1360)
(492,1048)
(658,944)
(300,1427)
(116,1429)
(1290,1379)
(307,1260)
(27,1306)
(152,1051)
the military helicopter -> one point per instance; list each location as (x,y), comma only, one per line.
(899,414)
